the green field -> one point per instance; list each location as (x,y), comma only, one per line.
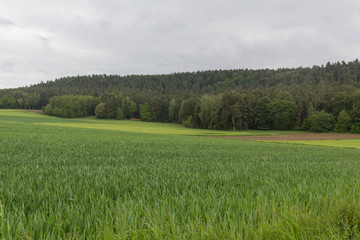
(91,179)
(123,125)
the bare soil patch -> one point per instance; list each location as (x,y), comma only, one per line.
(297,137)
(32,110)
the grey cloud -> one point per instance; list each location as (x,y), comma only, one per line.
(7,66)
(45,41)
(6,22)
(62,38)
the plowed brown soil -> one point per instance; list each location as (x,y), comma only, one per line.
(297,137)
(32,110)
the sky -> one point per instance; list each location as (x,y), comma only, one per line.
(42,40)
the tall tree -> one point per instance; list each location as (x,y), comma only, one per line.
(343,123)
(209,111)
(128,107)
(262,118)
(172,111)
(7,102)
(144,112)
(283,111)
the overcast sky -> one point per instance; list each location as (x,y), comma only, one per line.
(42,40)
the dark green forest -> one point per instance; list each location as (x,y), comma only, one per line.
(320,98)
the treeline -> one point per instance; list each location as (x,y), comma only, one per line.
(19,99)
(242,110)
(189,84)
(221,99)
(69,106)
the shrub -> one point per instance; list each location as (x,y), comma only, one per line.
(306,125)
(100,111)
(49,109)
(322,122)
(57,112)
(188,122)
(355,128)
(343,123)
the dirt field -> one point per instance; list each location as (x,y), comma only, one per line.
(298,137)
(32,110)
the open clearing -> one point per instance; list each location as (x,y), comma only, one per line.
(71,179)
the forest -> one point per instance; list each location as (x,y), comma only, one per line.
(321,98)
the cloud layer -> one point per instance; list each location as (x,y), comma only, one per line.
(42,40)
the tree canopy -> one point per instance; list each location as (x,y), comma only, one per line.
(219,99)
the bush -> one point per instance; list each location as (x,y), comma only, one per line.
(355,128)
(57,112)
(343,123)
(322,122)
(306,125)
(100,111)
(188,122)
(49,109)
(67,111)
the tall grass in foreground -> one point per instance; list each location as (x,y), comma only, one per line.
(58,182)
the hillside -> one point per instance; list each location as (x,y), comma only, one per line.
(219,99)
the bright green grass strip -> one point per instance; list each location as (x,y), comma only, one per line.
(157,128)
(341,143)
(123,125)
(20,113)
(169,128)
